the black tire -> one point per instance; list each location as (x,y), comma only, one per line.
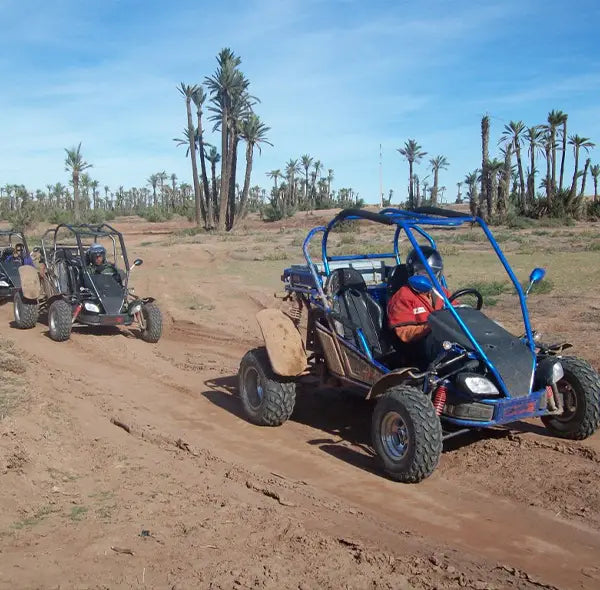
(60,320)
(26,312)
(581,385)
(153,320)
(268,399)
(420,455)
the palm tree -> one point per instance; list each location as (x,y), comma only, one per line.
(106,199)
(291,169)
(547,137)
(94,186)
(316,175)
(502,202)
(228,90)
(555,118)
(584,176)
(75,163)
(533,136)
(214,158)
(563,121)
(329,181)
(174,187)
(198,97)
(471,182)
(438,163)
(578,142)
(254,132)
(513,133)
(595,172)
(153,182)
(413,153)
(306,163)
(275,175)
(188,93)
(495,167)
(485,156)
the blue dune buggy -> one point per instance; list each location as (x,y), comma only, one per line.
(333,330)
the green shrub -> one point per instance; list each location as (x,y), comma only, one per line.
(157,215)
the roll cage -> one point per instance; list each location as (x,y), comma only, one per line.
(9,233)
(409,223)
(80,231)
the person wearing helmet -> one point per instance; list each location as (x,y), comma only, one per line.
(97,263)
(20,256)
(407,310)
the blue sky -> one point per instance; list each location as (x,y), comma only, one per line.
(335,77)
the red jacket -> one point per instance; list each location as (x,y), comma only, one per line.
(407,312)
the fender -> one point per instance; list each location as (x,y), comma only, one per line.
(396,377)
(30,282)
(283,342)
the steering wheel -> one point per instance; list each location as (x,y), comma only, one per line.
(462,292)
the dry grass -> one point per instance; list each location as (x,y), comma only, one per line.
(12,383)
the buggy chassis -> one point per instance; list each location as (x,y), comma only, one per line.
(518,378)
(71,294)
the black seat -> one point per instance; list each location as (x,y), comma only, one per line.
(398,278)
(356,309)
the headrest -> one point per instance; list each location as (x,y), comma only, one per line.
(398,278)
(342,279)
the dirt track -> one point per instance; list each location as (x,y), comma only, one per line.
(230,505)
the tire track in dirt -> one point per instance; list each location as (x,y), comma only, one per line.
(155,392)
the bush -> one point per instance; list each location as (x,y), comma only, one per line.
(157,215)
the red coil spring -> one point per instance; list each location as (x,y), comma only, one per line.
(439,401)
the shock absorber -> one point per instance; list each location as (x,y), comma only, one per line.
(439,400)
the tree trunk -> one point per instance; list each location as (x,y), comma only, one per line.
(76,196)
(550,176)
(244,198)
(224,191)
(531,178)
(573,190)
(485,156)
(564,151)
(473,199)
(210,221)
(434,192)
(551,183)
(199,212)
(411,200)
(233,141)
(521,179)
(585,173)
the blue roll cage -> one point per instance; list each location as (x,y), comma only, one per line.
(407,222)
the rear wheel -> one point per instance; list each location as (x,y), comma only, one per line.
(268,399)
(26,311)
(150,323)
(580,388)
(406,434)
(60,320)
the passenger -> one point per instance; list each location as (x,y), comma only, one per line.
(407,310)
(97,264)
(20,256)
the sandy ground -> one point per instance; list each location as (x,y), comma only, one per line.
(193,496)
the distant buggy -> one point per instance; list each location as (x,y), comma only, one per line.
(72,293)
(335,332)
(10,281)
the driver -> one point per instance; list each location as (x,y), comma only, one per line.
(407,310)
(97,263)
(20,256)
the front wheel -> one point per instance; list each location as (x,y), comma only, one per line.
(580,389)
(26,312)
(150,323)
(60,320)
(406,434)
(268,399)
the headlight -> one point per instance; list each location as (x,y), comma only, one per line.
(4,284)
(136,309)
(557,372)
(480,385)
(91,307)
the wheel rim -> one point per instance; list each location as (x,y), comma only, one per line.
(52,321)
(569,400)
(393,434)
(253,386)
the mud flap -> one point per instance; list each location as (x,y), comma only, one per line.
(283,342)
(30,282)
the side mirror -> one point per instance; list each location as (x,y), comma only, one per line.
(138,262)
(537,274)
(420,283)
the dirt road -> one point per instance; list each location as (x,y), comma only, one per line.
(194,496)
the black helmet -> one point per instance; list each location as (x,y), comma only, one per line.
(96,250)
(433,257)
